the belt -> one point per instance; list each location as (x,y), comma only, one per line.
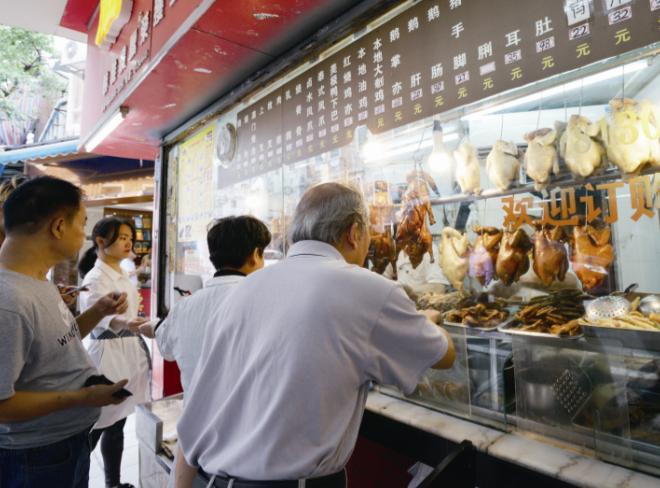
(336,480)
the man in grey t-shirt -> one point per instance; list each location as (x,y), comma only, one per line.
(45,409)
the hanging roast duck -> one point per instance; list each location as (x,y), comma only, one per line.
(413,235)
(512,259)
(484,254)
(550,256)
(591,253)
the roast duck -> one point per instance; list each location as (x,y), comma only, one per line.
(550,256)
(484,254)
(382,248)
(512,259)
(413,235)
(454,256)
(591,254)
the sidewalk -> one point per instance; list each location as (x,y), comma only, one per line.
(129,464)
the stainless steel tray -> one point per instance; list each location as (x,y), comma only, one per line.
(510,328)
(477,328)
(632,338)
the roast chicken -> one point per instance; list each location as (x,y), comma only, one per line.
(550,256)
(541,157)
(468,173)
(413,235)
(591,254)
(512,259)
(579,147)
(484,254)
(454,252)
(382,251)
(502,164)
(631,134)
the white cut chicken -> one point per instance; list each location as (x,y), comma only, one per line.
(580,148)
(468,173)
(541,157)
(454,256)
(502,164)
(631,134)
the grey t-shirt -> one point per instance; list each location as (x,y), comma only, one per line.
(40,350)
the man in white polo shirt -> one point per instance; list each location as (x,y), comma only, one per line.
(279,392)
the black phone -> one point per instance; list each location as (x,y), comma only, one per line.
(99,379)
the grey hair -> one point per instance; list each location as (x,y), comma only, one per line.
(326,211)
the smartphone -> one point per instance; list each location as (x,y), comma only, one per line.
(102,380)
(76,290)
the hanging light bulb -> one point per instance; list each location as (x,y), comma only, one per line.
(441,160)
(373,149)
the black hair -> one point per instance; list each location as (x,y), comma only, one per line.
(108,229)
(6,188)
(232,240)
(32,203)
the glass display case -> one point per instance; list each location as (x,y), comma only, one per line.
(509,214)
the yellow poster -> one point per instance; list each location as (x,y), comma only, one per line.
(195,195)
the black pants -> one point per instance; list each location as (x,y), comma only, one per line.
(112,447)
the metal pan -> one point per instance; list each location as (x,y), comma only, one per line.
(512,328)
(632,338)
(477,328)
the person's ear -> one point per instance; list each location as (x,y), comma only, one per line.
(353,235)
(57,226)
(100,242)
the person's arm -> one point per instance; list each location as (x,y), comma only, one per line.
(184,473)
(26,405)
(107,305)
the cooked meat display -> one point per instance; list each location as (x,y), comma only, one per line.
(512,259)
(550,256)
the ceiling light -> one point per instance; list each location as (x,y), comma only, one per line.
(106,129)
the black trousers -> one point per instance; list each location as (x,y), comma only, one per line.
(112,447)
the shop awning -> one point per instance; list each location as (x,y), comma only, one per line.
(42,151)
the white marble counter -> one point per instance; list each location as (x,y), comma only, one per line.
(563,463)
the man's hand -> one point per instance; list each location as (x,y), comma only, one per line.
(111,304)
(101,395)
(69,293)
(432,315)
(147,329)
(134,324)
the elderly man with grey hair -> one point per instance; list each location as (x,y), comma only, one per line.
(282,381)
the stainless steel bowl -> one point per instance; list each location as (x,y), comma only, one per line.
(649,305)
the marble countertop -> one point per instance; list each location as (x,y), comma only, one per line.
(553,460)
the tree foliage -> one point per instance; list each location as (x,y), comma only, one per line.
(25,69)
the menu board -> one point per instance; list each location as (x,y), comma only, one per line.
(195,195)
(435,56)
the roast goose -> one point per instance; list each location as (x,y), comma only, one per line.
(484,254)
(512,259)
(591,253)
(413,235)
(550,256)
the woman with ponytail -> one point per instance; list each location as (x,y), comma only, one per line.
(114,345)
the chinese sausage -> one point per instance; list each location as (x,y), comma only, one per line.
(591,253)
(484,254)
(454,256)
(512,259)
(550,256)
(541,157)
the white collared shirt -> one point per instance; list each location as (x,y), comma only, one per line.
(180,336)
(283,375)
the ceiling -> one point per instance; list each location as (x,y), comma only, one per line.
(22,14)
(227,43)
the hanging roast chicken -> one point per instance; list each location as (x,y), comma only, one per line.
(550,256)
(502,164)
(541,157)
(382,251)
(382,248)
(631,134)
(468,174)
(512,259)
(454,252)
(484,254)
(591,254)
(413,235)
(579,146)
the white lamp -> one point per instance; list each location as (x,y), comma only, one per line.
(106,129)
